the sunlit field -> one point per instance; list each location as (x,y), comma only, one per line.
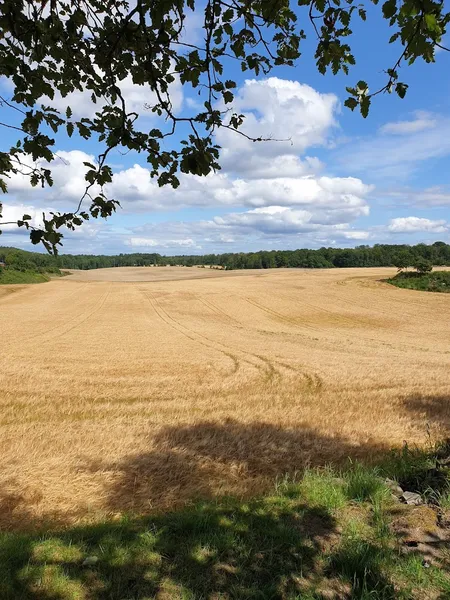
(136,390)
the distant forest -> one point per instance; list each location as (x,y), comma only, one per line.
(380,255)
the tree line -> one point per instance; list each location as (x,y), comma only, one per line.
(379,255)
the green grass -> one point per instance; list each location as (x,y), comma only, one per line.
(421,470)
(439,281)
(326,531)
(364,484)
(11,276)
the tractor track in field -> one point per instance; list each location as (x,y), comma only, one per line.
(188,333)
(313,381)
(79,318)
(233,322)
(270,368)
(262,364)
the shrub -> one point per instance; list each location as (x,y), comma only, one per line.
(423,266)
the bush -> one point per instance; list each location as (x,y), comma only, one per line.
(439,281)
(423,266)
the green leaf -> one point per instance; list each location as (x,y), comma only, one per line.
(228,97)
(351,103)
(70,129)
(431,22)
(365,105)
(36,236)
(68,112)
(401,89)
(389,9)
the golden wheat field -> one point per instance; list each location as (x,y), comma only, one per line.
(141,389)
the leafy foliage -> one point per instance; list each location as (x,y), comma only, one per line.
(56,47)
(439,281)
(423,266)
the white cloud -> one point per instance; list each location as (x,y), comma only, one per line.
(275,191)
(139,193)
(12,213)
(432,196)
(396,156)
(256,228)
(423,120)
(68,173)
(272,219)
(137,99)
(295,114)
(356,235)
(416,224)
(324,193)
(141,242)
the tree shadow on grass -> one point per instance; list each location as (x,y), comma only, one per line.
(262,549)
(430,409)
(276,547)
(212,459)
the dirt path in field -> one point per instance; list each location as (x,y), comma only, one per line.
(142,388)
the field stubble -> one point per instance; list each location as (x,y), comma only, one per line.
(134,395)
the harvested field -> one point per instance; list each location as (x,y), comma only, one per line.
(124,394)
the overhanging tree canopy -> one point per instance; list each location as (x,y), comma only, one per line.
(52,47)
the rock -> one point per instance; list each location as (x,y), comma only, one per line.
(411,498)
(394,487)
(90,561)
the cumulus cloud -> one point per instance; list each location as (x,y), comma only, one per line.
(138,99)
(337,197)
(293,115)
(272,219)
(14,212)
(68,173)
(333,193)
(256,227)
(285,220)
(415,224)
(274,191)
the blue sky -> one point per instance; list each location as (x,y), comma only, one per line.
(339,180)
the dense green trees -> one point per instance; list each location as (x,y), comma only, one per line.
(380,255)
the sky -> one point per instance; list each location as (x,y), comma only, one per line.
(335,179)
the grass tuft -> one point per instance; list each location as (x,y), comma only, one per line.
(322,488)
(418,469)
(364,483)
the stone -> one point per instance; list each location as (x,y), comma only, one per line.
(90,561)
(411,498)
(394,487)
